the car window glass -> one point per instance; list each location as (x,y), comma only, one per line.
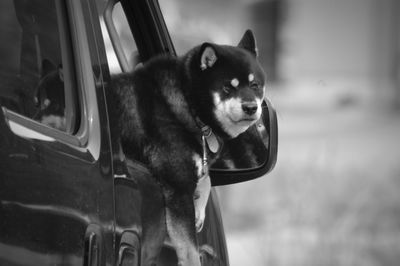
(120,45)
(35,79)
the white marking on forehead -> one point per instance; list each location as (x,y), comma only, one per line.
(251,77)
(235,82)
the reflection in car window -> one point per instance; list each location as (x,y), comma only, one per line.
(32,66)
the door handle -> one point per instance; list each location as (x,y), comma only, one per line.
(129,248)
(92,255)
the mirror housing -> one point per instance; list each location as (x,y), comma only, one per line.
(252,154)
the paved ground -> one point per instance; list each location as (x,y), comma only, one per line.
(333,198)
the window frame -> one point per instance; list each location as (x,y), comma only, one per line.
(75,50)
(71,96)
(71,103)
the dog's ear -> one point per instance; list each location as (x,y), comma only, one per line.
(248,42)
(208,56)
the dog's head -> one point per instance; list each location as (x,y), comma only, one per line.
(232,82)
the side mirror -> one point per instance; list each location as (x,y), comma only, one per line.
(252,154)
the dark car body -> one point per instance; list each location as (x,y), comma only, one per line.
(63,200)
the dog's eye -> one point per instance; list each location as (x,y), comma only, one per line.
(254,85)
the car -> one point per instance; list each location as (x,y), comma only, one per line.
(65,197)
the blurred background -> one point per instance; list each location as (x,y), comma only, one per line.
(333,71)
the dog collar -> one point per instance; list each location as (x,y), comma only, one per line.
(208,139)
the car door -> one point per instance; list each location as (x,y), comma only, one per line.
(56,183)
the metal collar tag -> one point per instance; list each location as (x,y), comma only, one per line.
(211,139)
(204,159)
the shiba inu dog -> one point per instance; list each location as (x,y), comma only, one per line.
(174,113)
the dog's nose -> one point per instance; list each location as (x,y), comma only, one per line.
(249,108)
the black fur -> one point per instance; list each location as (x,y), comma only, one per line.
(150,130)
